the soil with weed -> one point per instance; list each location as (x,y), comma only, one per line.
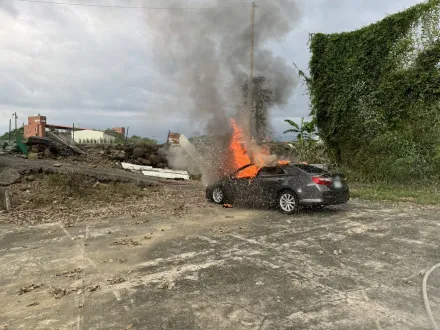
(76,198)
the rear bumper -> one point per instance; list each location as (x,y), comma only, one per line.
(328,198)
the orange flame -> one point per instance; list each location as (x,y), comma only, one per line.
(240,157)
(239,152)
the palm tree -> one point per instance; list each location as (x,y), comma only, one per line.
(304,132)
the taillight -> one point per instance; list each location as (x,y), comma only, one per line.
(322,181)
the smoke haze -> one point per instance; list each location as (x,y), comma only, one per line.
(207,53)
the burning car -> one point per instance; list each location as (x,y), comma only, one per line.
(289,186)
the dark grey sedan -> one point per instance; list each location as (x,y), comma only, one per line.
(286,186)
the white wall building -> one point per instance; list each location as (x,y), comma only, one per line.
(88,136)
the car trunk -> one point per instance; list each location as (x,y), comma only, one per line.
(334,182)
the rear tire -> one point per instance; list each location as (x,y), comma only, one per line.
(218,195)
(288,202)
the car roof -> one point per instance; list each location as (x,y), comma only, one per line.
(278,165)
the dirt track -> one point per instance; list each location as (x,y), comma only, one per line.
(350,267)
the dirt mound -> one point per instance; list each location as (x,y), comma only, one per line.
(8,176)
(44,198)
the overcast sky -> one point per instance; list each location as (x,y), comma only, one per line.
(93,66)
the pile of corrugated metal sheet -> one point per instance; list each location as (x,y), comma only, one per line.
(156,172)
(63,141)
(179,140)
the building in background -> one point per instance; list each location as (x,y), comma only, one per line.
(120,130)
(90,136)
(36,126)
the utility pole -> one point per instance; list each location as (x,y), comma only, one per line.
(15,117)
(10,122)
(250,100)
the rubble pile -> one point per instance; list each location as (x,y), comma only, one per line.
(108,155)
(103,155)
(50,151)
(7,147)
(141,154)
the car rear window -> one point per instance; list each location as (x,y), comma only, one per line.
(310,169)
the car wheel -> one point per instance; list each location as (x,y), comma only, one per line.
(218,195)
(288,202)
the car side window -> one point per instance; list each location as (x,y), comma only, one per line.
(269,171)
(266,171)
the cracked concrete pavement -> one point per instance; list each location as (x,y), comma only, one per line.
(356,266)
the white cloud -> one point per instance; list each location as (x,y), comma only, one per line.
(94,65)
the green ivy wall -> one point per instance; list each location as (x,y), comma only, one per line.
(375,93)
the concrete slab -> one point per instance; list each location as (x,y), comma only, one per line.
(352,267)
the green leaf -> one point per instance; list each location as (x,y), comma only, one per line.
(292,123)
(291,131)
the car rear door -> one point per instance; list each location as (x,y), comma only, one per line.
(243,188)
(268,182)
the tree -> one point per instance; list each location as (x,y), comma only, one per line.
(119,138)
(141,140)
(14,133)
(305,146)
(263,99)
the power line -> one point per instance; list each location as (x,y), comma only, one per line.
(128,7)
(279,43)
(269,12)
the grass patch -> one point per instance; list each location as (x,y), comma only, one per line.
(420,194)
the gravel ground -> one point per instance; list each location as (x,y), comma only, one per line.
(357,266)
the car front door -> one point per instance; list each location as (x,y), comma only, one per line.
(243,188)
